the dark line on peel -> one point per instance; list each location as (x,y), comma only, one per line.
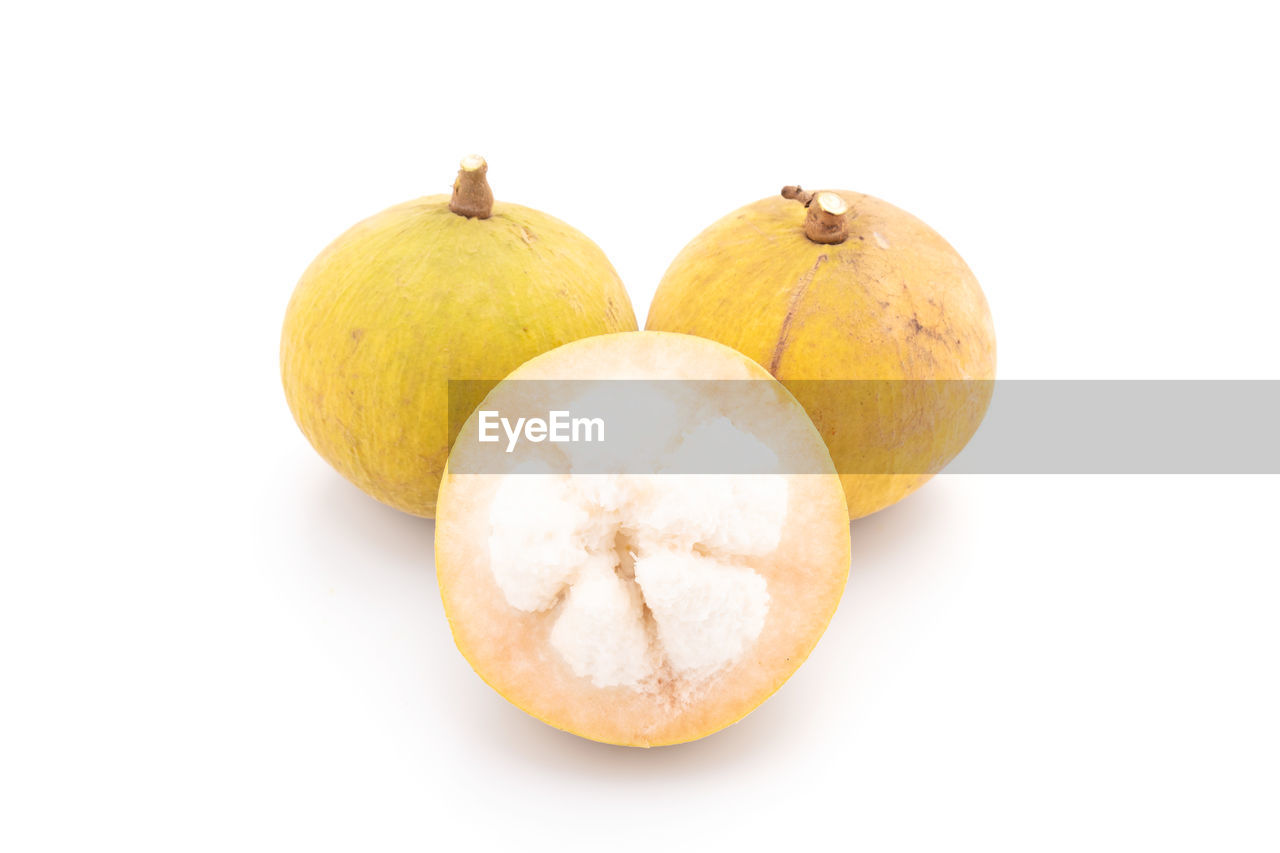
(785,333)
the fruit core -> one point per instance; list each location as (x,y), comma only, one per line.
(651,579)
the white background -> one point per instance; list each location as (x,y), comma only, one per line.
(208,640)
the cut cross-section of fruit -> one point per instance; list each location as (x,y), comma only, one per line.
(630,600)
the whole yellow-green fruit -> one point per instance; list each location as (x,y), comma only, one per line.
(857,307)
(436,289)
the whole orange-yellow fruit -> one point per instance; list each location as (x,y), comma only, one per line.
(865,313)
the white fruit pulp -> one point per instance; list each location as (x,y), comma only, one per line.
(649,578)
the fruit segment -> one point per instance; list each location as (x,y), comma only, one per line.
(652,574)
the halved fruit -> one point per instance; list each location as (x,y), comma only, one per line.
(658,587)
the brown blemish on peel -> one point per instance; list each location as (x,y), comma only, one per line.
(796,295)
(916,328)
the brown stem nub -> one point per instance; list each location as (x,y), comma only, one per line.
(471,194)
(797,194)
(828,218)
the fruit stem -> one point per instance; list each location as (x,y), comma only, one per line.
(827,221)
(472,197)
